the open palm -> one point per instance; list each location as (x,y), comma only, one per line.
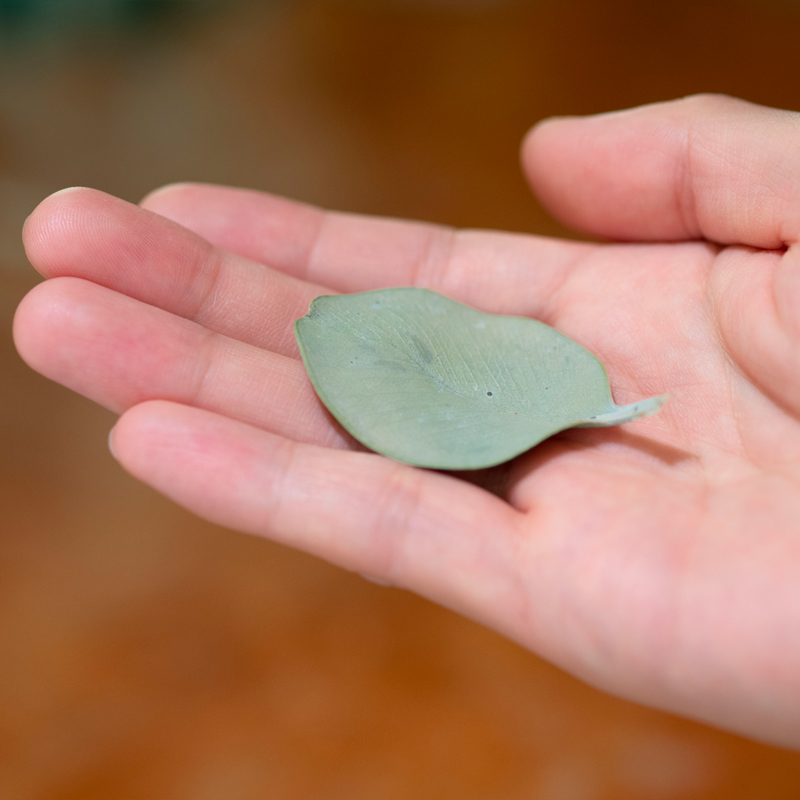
(660,561)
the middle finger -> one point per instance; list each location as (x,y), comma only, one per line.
(120,352)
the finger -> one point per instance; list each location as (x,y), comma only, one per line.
(703,167)
(119,352)
(497,272)
(262,227)
(87,234)
(421,530)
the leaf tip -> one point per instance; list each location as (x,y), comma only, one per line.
(622,414)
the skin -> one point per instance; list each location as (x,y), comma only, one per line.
(658,561)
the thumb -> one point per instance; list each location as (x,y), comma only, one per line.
(707,166)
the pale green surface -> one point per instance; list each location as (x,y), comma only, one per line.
(425,380)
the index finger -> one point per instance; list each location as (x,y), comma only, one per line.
(498,272)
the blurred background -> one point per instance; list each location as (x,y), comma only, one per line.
(147,655)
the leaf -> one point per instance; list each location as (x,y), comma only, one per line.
(428,381)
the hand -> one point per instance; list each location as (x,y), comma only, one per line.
(659,561)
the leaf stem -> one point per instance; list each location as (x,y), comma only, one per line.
(623,414)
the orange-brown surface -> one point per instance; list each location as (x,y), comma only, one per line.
(147,655)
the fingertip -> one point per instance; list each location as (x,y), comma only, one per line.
(54,325)
(20,325)
(57,203)
(198,458)
(52,229)
(557,174)
(541,143)
(35,229)
(168,196)
(199,207)
(142,430)
(544,128)
(160,431)
(611,174)
(32,324)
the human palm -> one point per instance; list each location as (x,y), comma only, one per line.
(658,561)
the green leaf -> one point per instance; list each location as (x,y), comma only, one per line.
(428,381)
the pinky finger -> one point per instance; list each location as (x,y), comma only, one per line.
(434,534)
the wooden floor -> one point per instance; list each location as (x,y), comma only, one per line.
(147,655)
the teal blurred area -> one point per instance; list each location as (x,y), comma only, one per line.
(24,20)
